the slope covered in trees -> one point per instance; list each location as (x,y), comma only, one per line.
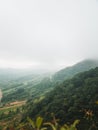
(75,98)
(69,72)
(21,86)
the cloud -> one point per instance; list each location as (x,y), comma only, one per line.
(50,33)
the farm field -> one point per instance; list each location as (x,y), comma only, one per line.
(11,112)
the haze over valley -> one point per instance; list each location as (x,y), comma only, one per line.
(49,65)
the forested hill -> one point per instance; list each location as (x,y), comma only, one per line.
(69,72)
(75,98)
(21,85)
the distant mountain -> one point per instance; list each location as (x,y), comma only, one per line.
(9,74)
(76,98)
(69,72)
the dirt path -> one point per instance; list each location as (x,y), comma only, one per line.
(14,104)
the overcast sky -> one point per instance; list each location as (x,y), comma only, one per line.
(47,33)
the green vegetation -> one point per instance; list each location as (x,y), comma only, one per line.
(76,98)
(69,72)
(19,87)
(26,89)
(39,124)
(43,95)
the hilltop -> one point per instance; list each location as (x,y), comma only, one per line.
(69,72)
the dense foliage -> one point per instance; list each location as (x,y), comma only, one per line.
(39,124)
(74,98)
(46,95)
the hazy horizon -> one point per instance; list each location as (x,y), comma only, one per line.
(47,34)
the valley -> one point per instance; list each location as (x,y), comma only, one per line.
(69,94)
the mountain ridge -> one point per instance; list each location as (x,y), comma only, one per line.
(81,66)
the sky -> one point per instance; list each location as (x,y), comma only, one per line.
(48,34)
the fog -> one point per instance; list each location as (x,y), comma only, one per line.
(47,34)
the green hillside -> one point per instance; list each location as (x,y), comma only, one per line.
(69,72)
(43,95)
(75,98)
(19,85)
